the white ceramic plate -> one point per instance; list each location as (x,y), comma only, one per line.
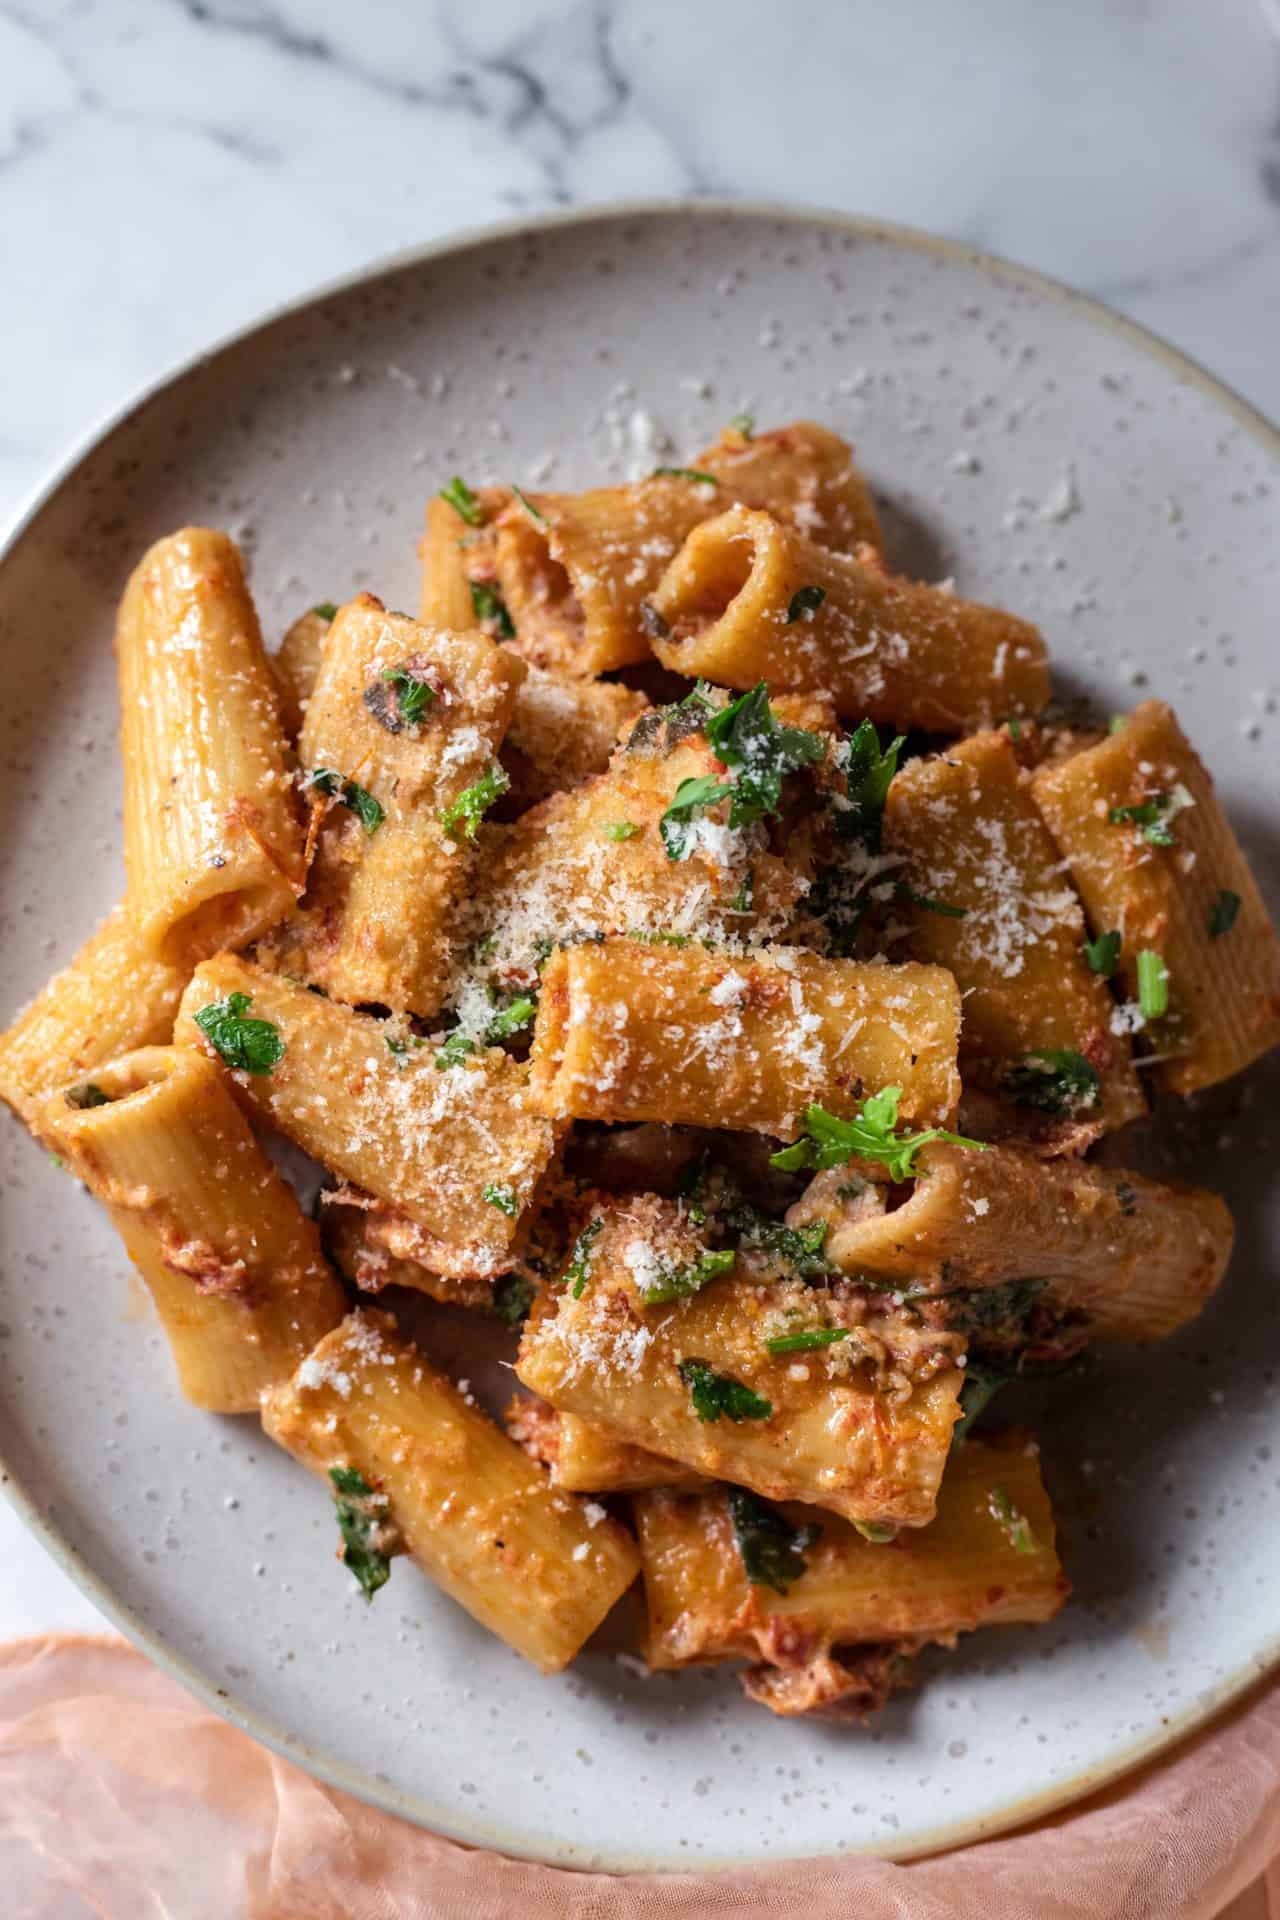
(1051,458)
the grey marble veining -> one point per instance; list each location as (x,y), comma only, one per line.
(170,168)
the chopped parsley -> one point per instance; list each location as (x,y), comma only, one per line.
(1015,1524)
(502,1195)
(1059,1081)
(501,1025)
(878,1532)
(90,1094)
(348,794)
(807,1341)
(719,1395)
(681,1283)
(804,603)
(981,1384)
(1222,914)
(772,1549)
(800,1247)
(1015,731)
(747,737)
(744,423)
(455,1050)
(488,605)
(361,1524)
(325,609)
(926,905)
(413,694)
(693,796)
(685,473)
(1150,817)
(1103,954)
(463,501)
(1117,723)
(400,1045)
(1153,984)
(512,1298)
(652,621)
(873,1135)
(528,505)
(660,939)
(462,817)
(247,1046)
(621,830)
(868,772)
(578,1271)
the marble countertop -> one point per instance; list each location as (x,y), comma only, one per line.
(171,168)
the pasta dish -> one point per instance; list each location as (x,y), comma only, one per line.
(712,961)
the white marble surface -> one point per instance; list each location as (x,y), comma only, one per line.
(170,168)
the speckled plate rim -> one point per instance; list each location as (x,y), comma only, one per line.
(379,1793)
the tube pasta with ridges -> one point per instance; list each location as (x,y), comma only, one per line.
(1165,894)
(456,555)
(750,599)
(582,1458)
(212,840)
(528,1561)
(296,667)
(627,1031)
(563,731)
(230,1259)
(424,1139)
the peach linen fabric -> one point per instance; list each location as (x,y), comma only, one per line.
(121,1798)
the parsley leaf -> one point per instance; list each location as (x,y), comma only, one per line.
(457,1046)
(692,796)
(348,794)
(463,501)
(413,694)
(621,830)
(248,1046)
(512,1298)
(873,1134)
(1059,1081)
(488,605)
(578,1271)
(772,1549)
(528,505)
(1151,818)
(868,773)
(680,1283)
(804,603)
(1103,954)
(1015,1524)
(88,1095)
(359,1524)
(502,1195)
(926,905)
(800,1247)
(805,1342)
(744,423)
(685,473)
(501,1025)
(1153,984)
(747,737)
(718,1394)
(462,817)
(400,1045)
(326,610)
(981,1384)
(1222,914)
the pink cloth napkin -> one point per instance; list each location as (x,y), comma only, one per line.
(123,1799)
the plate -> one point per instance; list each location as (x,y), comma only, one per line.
(1047,456)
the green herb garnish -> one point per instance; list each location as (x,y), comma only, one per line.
(719,1395)
(1015,731)
(799,1247)
(981,1384)
(502,1195)
(873,1135)
(90,1094)
(360,1523)
(326,610)
(1016,1525)
(528,505)
(772,1549)
(621,830)
(744,423)
(805,1342)
(926,905)
(512,1298)
(348,794)
(1058,1081)
(501,1025)
(868,772)
(455,1050)
(804,603)
(247,1046)
(660,939)
(1153,985)
(693,796)
(1117,723)
(1103,953)
(681,1283)
(462,817)
(413,694)
(746,736)
(578,1271)
(1151,817)
(879,1532)
(488,605)
(463,501)
(401,1045)
(685,473)
(1222,914)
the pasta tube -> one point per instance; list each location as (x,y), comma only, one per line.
(527,1561)
(426,1140)
(296,666)
(375,1246)
(404,721)
(563,731)
(114,996)
(1156,863)
(459,553)
(631,1032)
(212,842)
(230,1259)
(1135,1258)
(989,1559)
(982,893)
(750,599)
(861,1425)
(586,1459)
